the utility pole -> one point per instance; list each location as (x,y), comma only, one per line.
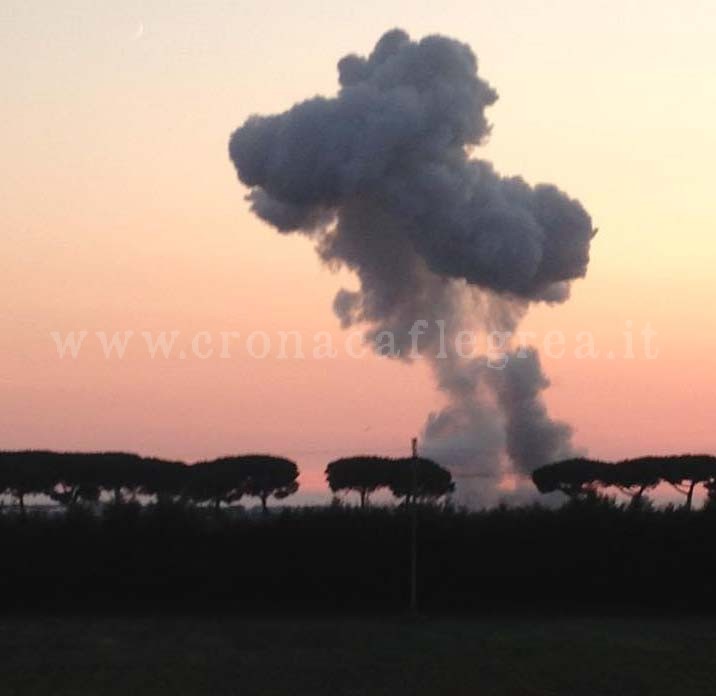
(414,531)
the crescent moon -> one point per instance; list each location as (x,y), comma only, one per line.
(139,32)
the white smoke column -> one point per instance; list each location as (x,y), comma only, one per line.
(380,176)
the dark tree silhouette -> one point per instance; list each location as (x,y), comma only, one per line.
(574,477)
(268,476)
(75,478)
(684,472)
(362,474)
(419,479)
(121,474)
(634,477)
(69,478)
(165,479)
(218,481)
(25,473)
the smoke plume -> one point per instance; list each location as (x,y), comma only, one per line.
(382,179)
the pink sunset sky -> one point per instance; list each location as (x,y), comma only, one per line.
(121,212)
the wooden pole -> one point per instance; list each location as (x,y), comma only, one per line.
(414,532)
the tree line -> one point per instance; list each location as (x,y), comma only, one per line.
(580,477)
(74,478)
(71,479)
(414,479)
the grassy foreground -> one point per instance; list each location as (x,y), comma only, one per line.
(510,657)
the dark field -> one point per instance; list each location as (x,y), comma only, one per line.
(510,657)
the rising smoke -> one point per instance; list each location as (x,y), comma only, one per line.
(381,177)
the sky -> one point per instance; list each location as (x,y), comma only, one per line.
(120,212)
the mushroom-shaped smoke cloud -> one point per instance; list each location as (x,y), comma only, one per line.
(381,177)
